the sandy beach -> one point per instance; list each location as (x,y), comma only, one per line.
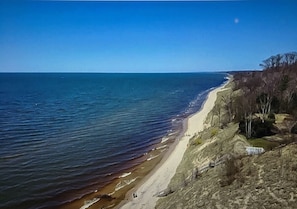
(158,180)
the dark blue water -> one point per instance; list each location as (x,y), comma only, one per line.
(61,133)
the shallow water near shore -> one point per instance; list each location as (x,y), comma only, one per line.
(64,136)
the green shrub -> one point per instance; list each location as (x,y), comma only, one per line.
(197,141)
(260,129)
(214,132)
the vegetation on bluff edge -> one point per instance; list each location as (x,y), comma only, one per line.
(265,94)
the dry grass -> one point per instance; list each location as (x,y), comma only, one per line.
(279,118)
(232,172)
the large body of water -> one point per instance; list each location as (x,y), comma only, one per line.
(64,134)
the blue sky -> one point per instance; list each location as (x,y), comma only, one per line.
(75,36)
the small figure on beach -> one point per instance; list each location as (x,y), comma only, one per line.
(134,195)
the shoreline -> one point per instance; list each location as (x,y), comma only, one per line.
(120,190)
(159,177)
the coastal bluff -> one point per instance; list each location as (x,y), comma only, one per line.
(267,180)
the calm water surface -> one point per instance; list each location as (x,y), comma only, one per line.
(62,133)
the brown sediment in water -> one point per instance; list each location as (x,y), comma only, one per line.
(115,192)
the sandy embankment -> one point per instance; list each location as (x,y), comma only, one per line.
(160,178)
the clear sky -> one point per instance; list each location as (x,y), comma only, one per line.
(75,36)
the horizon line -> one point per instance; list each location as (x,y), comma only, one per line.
(90,72)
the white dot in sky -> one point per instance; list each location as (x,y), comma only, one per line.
(236,20)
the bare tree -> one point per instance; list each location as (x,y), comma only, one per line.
(250,101)
(266,64)
(265,105)
(246,106)
(277,60)
(289,92)
(265,96)
(291,58)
